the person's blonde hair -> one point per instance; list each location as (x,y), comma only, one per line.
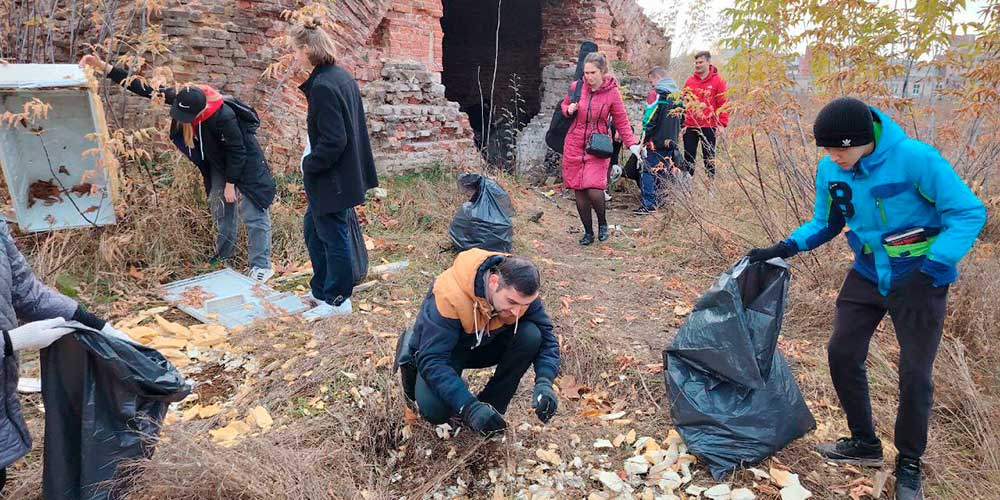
(317,43)
(598,59)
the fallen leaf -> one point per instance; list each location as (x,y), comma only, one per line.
(549,456)
(618,440)
(795,492)
(569,387)
(613,416)
(190,413)
(718,492)
(783,478)
(611,481)
(635,466)
(603,443)
(260,417)
(209,411)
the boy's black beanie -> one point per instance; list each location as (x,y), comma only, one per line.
(844,122)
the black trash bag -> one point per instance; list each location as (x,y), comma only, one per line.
(483,221)
(105,400)
(359,252)
(732,395)
(559,125)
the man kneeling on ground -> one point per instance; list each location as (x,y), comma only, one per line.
(484,311)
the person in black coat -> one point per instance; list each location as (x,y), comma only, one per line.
(338,170)
(208,130)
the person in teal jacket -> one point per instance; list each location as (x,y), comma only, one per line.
(911,220)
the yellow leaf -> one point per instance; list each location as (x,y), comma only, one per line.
(190,413)
(209,411)
(548,456)
(167,343)
(261,418)
(175,329)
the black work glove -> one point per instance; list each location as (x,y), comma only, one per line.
(544,400)
(483,418)
(780,249)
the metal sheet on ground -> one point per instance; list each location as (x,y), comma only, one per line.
(230,298)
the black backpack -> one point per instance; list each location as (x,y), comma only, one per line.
(245,114)
(559,126)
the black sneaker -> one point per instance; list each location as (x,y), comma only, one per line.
(602,233)
(908,479)
(852,451)
(588,239)
(644,211)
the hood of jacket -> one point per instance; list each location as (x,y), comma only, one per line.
(666,85)
(892,134)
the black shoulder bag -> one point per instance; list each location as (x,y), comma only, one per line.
(599,144)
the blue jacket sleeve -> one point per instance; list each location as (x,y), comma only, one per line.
(547,361)
(962,213)
(438,337)
(827,221)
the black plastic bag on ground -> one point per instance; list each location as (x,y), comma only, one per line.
(105,400)
(359,252)
(732,396)
(483,221)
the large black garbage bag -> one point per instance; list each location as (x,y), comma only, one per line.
(483,221)
(105,400)
(359,252)
(732,395)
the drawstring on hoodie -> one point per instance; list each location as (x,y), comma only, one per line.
(201,143)
(480,333)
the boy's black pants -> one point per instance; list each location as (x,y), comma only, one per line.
(917,309)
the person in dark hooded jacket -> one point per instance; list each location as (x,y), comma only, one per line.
(206,128)
(661,124)
(483,311)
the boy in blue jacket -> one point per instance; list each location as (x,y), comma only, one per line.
(911,220)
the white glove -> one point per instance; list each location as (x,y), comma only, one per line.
(636,150)
(38,335)
(111,331)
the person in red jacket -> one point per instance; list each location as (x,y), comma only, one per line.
(586,174)
(703,116)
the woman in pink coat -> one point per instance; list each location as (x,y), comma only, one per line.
(584,173)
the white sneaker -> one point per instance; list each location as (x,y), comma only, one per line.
(607,197)
(261,274)
(325,310)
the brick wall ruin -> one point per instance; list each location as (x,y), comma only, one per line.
(414,73)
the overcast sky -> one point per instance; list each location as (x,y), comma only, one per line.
(680,8)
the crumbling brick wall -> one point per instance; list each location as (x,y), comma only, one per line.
(394,48)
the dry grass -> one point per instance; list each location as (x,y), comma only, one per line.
(345,449)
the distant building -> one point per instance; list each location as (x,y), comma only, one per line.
(919,81)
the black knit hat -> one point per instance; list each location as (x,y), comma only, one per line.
(843,123)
